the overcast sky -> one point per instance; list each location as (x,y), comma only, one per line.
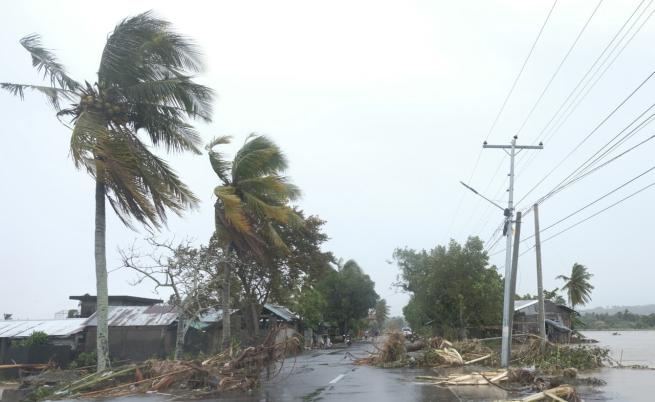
(381,107)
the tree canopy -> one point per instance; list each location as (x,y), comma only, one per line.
(452,289)
(349,293)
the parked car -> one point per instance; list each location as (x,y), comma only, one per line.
(407,331)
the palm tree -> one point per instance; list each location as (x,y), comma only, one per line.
(143,89)
(252,199)
(577,285)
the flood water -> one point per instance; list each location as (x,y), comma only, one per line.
(629,348)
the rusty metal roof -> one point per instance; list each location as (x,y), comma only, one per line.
(281,311)
(24,328)
(138,316)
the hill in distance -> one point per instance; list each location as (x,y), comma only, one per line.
(645,309)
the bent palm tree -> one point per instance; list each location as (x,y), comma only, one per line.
(142,89)
(577,285)
(252,199)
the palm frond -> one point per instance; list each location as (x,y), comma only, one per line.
(143,48)
(232,209)
(265,211)
(220,165)
(274,189)
(275,239)
(45,62)
(167,129)
(257,157)
(173,89)
(140,186)
(52,94)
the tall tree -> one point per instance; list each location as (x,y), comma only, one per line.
(381,312)
(144,91)
(349,293)
(252,199)
(451,288)
(577,286)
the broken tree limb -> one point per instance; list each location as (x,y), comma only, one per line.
(479,359)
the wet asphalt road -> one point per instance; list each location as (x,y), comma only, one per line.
(330,375)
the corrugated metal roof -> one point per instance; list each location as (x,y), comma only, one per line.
(138,316)
(214,315)
(24,328)
(521,304)
(282,312)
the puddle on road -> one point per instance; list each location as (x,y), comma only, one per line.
(314,396)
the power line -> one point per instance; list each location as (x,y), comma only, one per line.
(563,184)
(584,77)
(502,108)
(559,67)
(623,102)
(549,134)
(595,201)
(602,197)
(594,79)
(593,215)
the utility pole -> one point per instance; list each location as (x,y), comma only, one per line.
(540,283)
(509,213)
(515,264)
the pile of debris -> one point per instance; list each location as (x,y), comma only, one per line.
(554,358)
(432,352)
(233,369)
(546,389)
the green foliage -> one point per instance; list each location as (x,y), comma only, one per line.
(577,286)
(85,359)
(558,357)
(253,198)
(381,312)
(620,320)
(349,293)
(144,87)
(451,289)
(310,305)
(35,338)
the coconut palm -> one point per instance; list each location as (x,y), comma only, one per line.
(251,201)
(577,285)
(144,91)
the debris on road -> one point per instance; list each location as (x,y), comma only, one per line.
(563,393)
(233,369)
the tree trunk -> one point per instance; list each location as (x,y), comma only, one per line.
(179,337)
(254,316)
(102,340)
(462,321)
(226,307)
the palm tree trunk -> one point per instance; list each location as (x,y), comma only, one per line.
(226,307)
(102,333)
(179,336)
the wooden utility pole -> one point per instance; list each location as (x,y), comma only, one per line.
(540,284)
(515,264)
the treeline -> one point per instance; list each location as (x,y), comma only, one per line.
(621,320)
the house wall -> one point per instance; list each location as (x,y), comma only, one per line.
(525,320)
(136,342)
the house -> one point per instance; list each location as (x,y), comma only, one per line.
(88,303)
(136,332)
(273,314)
(558,319)
(65,336)
(206,332)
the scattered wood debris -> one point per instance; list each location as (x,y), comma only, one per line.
(233,369)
